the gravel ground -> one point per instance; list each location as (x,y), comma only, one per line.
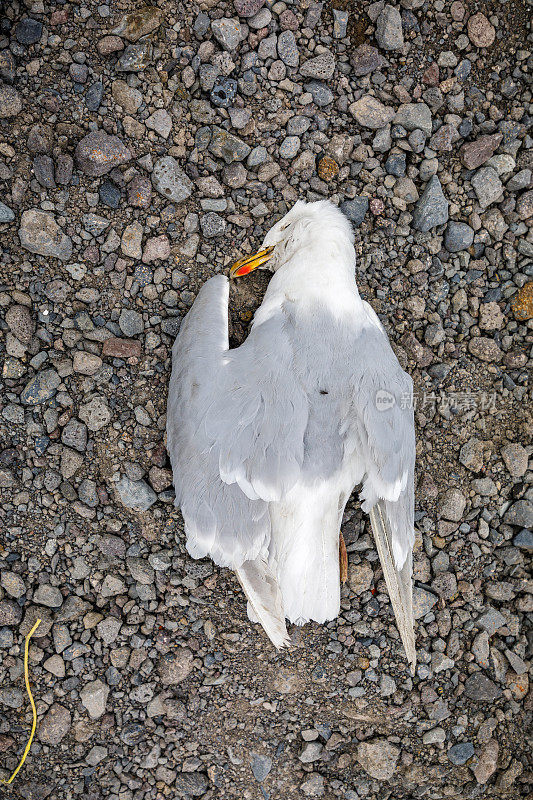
(141,150)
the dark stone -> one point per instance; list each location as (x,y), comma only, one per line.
(28,31)
(93,96)
(460,753)
(356,209)
(223,92)
(478,687)
(109,194)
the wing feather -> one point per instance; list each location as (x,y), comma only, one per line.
(235,427)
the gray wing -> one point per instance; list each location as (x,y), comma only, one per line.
(380,428)
(235,428)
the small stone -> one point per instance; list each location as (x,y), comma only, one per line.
(20,323)
(389,34)
(311,752)
(360,577)
(365,59)
(49,596)
(288,49)
(487,186)
(55,725)
(156,249)
(340,23)
(432,208)
(522,302)
(474,154)
(136,57)
(379,758)
(328,169)
(160,122)
(460,753)
(74,434)
(289,147)
(261,766)
(387,686)
(487,762)
(41,388)
(356,210)
(28,31)
(480,688)
(321,94)
(491,622)
(193,784)
(138,23)
(86,363)
(484,348)
(98,153)
(43,168)
(140,192)
(414,116)
(126,96)
(480,32)
(94,96)
(39,233)
(95,413)
(10,612)
(175,667)
(94,698)
(109,44)
(10,102)
(313,786)
(471,454)
(458,236)
(491,317)
(248,8)
(121,348)
(12,583)
(370,113)
(515,458)
(212,225)
(520,514)
(320,67)
(452,505)
(136,495)
(109,194)
(224,92)
(169,180)
(524,205)
(55,665)
(6,214)
(130,322)
(227,32)
(131,242)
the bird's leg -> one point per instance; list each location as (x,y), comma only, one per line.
(343,558)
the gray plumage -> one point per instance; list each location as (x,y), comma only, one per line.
(268,440)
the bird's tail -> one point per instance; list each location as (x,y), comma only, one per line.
(263,593)
(399,582)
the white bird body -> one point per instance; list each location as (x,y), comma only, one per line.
(267,441)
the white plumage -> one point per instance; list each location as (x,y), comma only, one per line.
(267,441)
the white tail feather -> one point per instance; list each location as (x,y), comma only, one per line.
(263,593)
(399,582)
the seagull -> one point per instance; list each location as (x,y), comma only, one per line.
(268,440)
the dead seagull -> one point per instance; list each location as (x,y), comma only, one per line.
(268,440)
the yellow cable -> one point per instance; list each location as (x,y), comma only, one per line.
(34,724)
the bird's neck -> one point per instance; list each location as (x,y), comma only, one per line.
(312,278)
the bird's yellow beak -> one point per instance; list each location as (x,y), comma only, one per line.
(246,265)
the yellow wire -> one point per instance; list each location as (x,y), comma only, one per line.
(27,681)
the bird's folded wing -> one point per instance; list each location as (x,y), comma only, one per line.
(380,427)
(235,426)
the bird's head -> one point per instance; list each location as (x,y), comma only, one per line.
(300,226)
